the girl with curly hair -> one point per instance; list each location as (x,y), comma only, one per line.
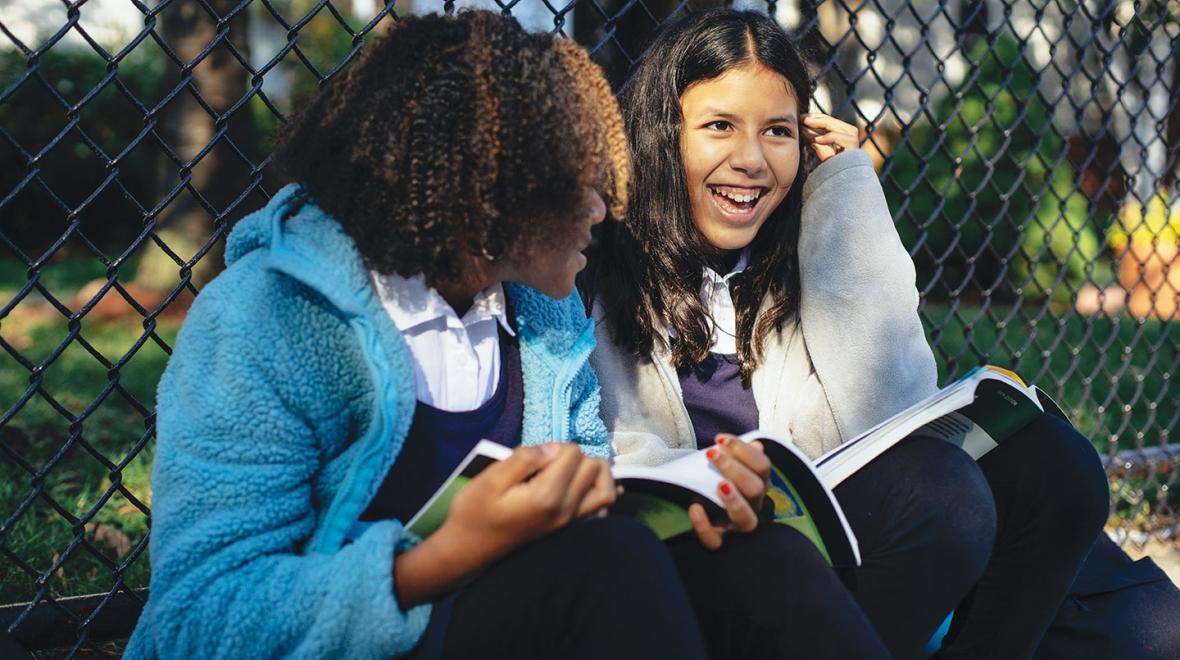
(407,295)
(748,289)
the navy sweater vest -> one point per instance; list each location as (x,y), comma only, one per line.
(716,400)
(438,440)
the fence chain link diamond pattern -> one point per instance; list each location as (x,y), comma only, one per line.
(1030,152)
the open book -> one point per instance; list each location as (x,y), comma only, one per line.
(976,412)
(659,497)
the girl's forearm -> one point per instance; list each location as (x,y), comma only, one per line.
(435,566)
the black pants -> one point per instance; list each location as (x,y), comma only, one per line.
(1051,503)
(925,520)
(609,589)
(1116,609)
(595,589)
(1048,494)
(771,594)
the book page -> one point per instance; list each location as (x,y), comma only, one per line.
(950,427)
(660,496)
(803,502)
(958,429)
(432,514)
(997,413)
(1002,393)
(693,472)
(662,507)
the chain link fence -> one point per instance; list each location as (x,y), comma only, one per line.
(1029,150)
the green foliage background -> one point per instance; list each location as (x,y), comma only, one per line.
(985,193)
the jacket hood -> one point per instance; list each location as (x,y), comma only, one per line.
(304,242)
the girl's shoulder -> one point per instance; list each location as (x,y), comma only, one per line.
(848,170)
(257,328)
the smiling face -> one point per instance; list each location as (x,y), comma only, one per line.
(739,141)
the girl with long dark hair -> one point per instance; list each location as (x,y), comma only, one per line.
(758,282)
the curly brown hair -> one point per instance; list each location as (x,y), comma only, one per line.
(459,135)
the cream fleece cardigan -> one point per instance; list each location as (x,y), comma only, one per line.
(854,355)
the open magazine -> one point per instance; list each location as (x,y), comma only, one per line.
(659,497)
(976,412)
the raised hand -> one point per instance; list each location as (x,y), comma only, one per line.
(828,136)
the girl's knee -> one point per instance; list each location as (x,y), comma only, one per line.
(953,504)
(955,494)
(614,542)
(775,541)
(1055,439)
(616,557)
(611,532)
(781,556)
(1075,483)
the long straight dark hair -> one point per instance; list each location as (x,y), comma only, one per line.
(646,270)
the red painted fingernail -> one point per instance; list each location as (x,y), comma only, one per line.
(726,489)
(711,453)
(722,440)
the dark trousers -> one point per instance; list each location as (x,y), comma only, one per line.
(1051,501)
(595,589)
(609,589)
(1053,585)
(925,520)
(771,594)
(1116,609)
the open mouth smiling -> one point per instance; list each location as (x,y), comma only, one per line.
(737,201)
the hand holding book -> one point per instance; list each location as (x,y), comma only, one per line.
(531,492)
(747,474)
(664,497)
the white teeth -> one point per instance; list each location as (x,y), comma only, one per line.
(741,199)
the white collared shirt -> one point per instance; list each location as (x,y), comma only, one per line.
(456,360)
(715,295)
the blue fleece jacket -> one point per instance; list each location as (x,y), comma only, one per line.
(285,403)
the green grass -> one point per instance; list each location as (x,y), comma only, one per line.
(62,277)
(79,480)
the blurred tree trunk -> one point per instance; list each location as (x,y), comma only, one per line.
(845,63)
(1140,76)
(220,176)
(1149,147)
